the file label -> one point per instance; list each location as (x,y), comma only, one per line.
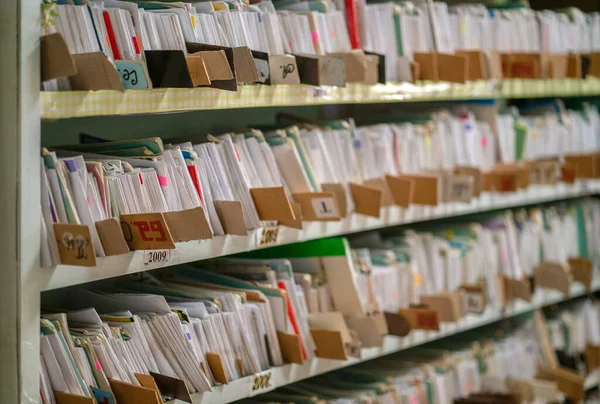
(157,257)
(325,208)
(261,383)
(269,236)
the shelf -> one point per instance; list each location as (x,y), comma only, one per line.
(56,105)
(292,373)
(591,380)
(62,275)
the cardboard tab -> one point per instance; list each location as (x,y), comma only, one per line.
(175,69)
(231,217)
(584,165)
(217,368)
(75,245)
(582,270)
(339,192)
(133,74)
(245,68)
(355,62)
(516,289)
(448,305)
(95,72)
(146,231)
(297,222)
(272,203)
(148,382)
(594,67)
(482,65)
(329,344)
(553,275)
(55,59)
(543,172)
(401,189)
(318,206)
(126,393)
(375,68)
(382,185)
(283,69)
(574,66)
(397,324)
(458,188)
(367,200)
(592,357)
(67,398)
(369,328)
(442,67)
(111,237)
(524,65)
(472,172)
(421,318)
(221,75)
(426,189)
(474,300)
(172,387)
(188,224)
(569,382)
(321,70)
(291,347)
(568,173)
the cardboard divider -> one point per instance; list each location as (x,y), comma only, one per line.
(291,347)
(594,66)
(321,70)
(474,298)
(75,245)
(553,275)
(261,64)
(67,398)
(516,289)
(148,382)
(449,305)
(222,75)
(231,217)
(574,66)
(375,68)
(126,393)
(297,222)
(482,65)
(583,165)
(175,69)
(367,200)
(329,344)
(543,172)
(457,188)
(217,368)
(402,190)
(592,357)
(582,270)
(568,173)
(381,184)
(272,203)
(95,72)
(569,382)
(397,324)
(442,67)
(146,231)
(473,172)
(339,192)
(370,329)
(283,70)
(421,318)
(240,367)
(111,237)
(245,67)
(360,68)
(427,189)
(188,224)
(318,206)
(171,387)
(55,59)
(535,65)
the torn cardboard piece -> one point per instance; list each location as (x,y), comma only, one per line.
(367,200)
(401,189)
(111,237)
(582,270)
(188,224)
(231,217)
(272,204)
(516,289)
(55,59)
(553,275)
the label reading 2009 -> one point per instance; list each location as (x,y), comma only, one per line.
(152,257)
(261,383)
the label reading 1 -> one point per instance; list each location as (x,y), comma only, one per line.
(152,257)
(261,383)
(270,236)
(325,208)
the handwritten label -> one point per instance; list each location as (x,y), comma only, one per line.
(269,236)
(261,383)
(146,231)
(543,172)
(154,257)
(283,69)
(325,208)
(75,246)
(461,189)
(132,74)
(474,300)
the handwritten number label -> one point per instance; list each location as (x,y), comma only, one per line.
(325,208)
(146,231)
(74,244)
(261,383)
(157,257)
(287,69)
(154,226)
(270,236)
(132,74)
(474,302)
